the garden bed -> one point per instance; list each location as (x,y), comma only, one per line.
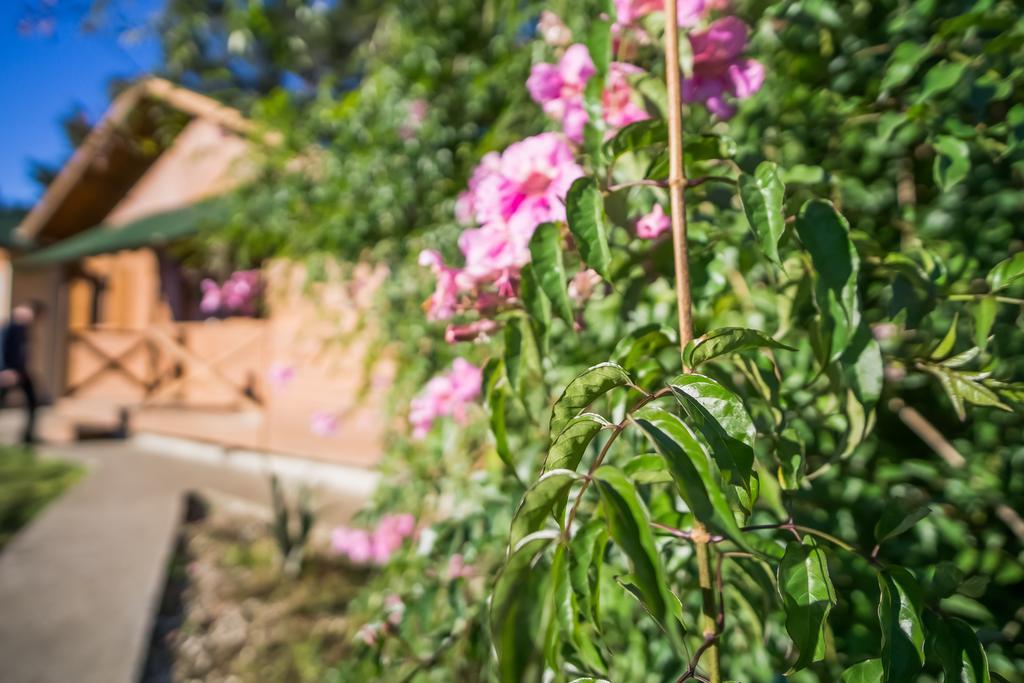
(228,614)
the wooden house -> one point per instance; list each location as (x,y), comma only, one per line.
(123,345)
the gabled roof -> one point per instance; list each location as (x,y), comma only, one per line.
(116,154)
(154,230)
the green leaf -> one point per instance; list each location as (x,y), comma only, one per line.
(599,44)
(955,645)
(629,527)
(571,443)
(762,196)
(709,147)
(563,623)
(720,417)
(648,469)
(952,161)
(948,342)
(584,207)
(516,610)
(905,59)
(864,368)
(547,265)
(586,553)
(868,671)
(642,344)
(808,597)
(699,484)
(984,318)
(726,340)
(636,136)
(940,78)
(826,235)
(960,387)
(547,493)
(494,393)
(584,390)
(895,521)
(1006,272)
(536,303)
(513,351)
(802,174)
(899,614)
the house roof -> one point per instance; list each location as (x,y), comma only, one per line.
(154,230)
(116,154)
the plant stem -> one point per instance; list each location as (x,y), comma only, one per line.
(677,175)
(976,297)
(709,611)
(684,302)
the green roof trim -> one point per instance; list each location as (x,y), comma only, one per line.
(155,230)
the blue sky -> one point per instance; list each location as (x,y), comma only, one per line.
(43,77)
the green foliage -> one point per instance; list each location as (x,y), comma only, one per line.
(854,249)
(27,485)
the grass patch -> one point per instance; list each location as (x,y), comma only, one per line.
(27,485)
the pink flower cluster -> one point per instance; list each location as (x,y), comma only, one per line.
(446,395)
(237,295)
(720,73)
(377,546)
(280,375)
(457,568)
(558,88)
(509,195)
(653,224)
(689,12)
(719,70)
(323,423)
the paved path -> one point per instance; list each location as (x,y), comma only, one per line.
(79,585)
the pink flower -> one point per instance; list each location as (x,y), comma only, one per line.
(494,252)
(620,107)
(583,284)
(367,634)
(457,568)
(509,195)
(377,546)
(211,300)
(323,423)
(689,12)
(475,330)
(356,544)
(442,303)
(280,375)
(529,186)
(446,395)
(719,70)
(651,225)
(418,110)
(240,291)
(559,89)
(465,206)
(553,30)
(394,608)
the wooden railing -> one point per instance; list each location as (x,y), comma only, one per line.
(215,364)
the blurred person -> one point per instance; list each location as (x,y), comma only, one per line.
(14,361)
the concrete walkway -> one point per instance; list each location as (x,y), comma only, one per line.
(80,585)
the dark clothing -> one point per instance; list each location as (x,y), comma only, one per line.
(24,383)
(14,347)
